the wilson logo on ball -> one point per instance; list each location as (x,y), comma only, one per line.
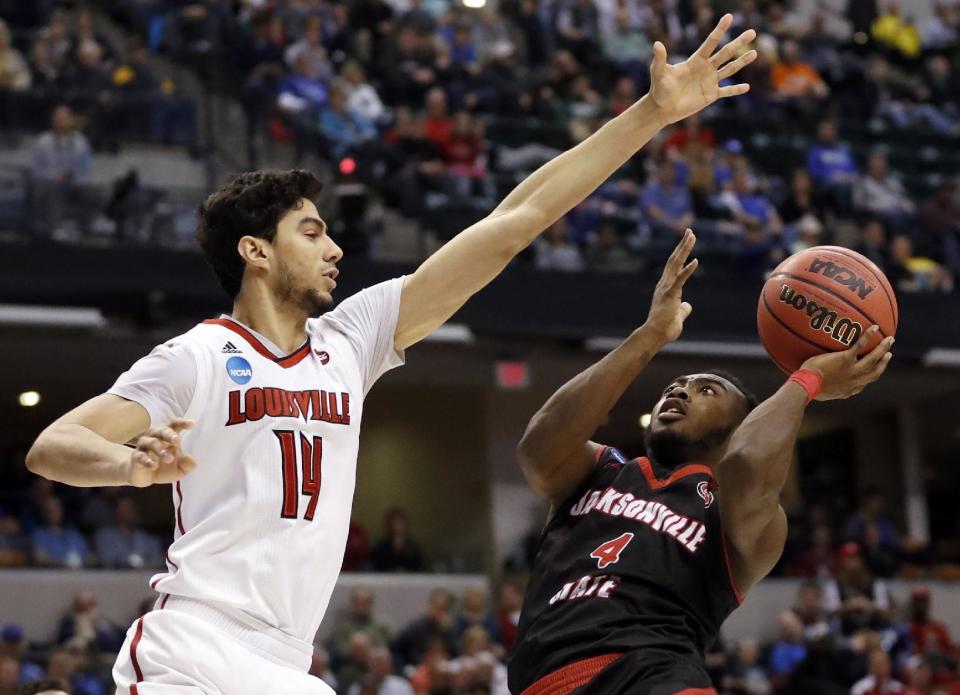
(822,318)
(842,276)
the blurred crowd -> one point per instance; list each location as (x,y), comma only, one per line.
(438,109)
(47,525)
(848,643)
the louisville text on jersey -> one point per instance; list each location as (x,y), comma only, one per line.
(685,531)
(257,402)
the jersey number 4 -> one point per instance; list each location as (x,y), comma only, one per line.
(608,553)
(311,453)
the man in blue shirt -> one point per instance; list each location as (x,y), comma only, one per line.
(53,544)
(666,205)
(789,650)
(832,166)
(126,546)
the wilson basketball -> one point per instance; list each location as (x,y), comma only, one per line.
(822,300)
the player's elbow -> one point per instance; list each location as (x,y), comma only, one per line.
(38,456)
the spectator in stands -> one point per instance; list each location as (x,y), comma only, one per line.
(577,27)
(745,675)
(62,667)
(410,645)
(880,680)
(14,548)
(940,29)
(940,225)
(859,600)
(123,545)
(86,679)
(47,686)
(626,46)
(55,545)
(910,273)
(433,674)
(379,679)
(896,31)
(749,207)
(831,165)
(479,669)
(320,667)
(666,204)
(555,250)
(465,158)
(346,131)
(606,253)
(397,551)
(13,644)
(84,627)
(881,193)
(800,201)
(308,56)
(928,635)
(355,667)
(362,98)
(809,608)
(794,80)
(789,650)
(437,124)
(508,617)
(14,71)
(44,68)
(872,512)
(474,611)
(873,242)
(357,552)
(359,619)
(302,93)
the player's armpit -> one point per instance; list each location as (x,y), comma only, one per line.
(753,555)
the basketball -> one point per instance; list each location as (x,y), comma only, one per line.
(822,300)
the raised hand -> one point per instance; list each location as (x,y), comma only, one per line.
(667,312)
(847,372)
(158,457)
(685,88)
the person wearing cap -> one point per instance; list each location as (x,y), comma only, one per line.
(857,598)
(928,634)
(13,644)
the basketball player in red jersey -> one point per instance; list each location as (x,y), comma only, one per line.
(642,560)
(255,417)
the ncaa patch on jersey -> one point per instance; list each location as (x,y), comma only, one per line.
(239,370)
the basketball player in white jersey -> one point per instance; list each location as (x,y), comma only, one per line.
(255,417)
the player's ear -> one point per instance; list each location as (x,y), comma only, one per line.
(254,251)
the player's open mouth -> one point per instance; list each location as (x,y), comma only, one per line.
(670,416)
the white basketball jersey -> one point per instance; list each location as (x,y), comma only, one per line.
(261,523)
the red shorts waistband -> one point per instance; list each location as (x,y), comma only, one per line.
(572,676)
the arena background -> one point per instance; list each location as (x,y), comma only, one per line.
(420,115)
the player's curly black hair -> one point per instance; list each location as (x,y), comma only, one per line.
(251,204)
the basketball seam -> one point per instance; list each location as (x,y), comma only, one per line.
(779,320)
(890,300)
(831,292)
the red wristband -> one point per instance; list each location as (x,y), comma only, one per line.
(810,380)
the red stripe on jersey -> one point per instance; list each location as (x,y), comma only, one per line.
(655,483)
(163,601)
(726,558)
(600,452)
(570,677)
(290,360)
(179,504)
(133,654)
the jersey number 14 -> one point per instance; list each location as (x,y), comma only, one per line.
(308,483)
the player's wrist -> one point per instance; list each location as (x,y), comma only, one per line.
(810,380)
(651,336)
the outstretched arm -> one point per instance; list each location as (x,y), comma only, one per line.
(757,461)
(556,453)
(477,255)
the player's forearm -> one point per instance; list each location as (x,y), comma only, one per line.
(75,455)
(758,457)
(562,183)
(569,419)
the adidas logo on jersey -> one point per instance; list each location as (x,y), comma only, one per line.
(230,348)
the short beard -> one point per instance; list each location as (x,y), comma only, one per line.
(308,299)
(671,449)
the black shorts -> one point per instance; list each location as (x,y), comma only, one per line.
(651,672)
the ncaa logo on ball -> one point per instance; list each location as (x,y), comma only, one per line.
(239,370)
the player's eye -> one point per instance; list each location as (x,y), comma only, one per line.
(708,389)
